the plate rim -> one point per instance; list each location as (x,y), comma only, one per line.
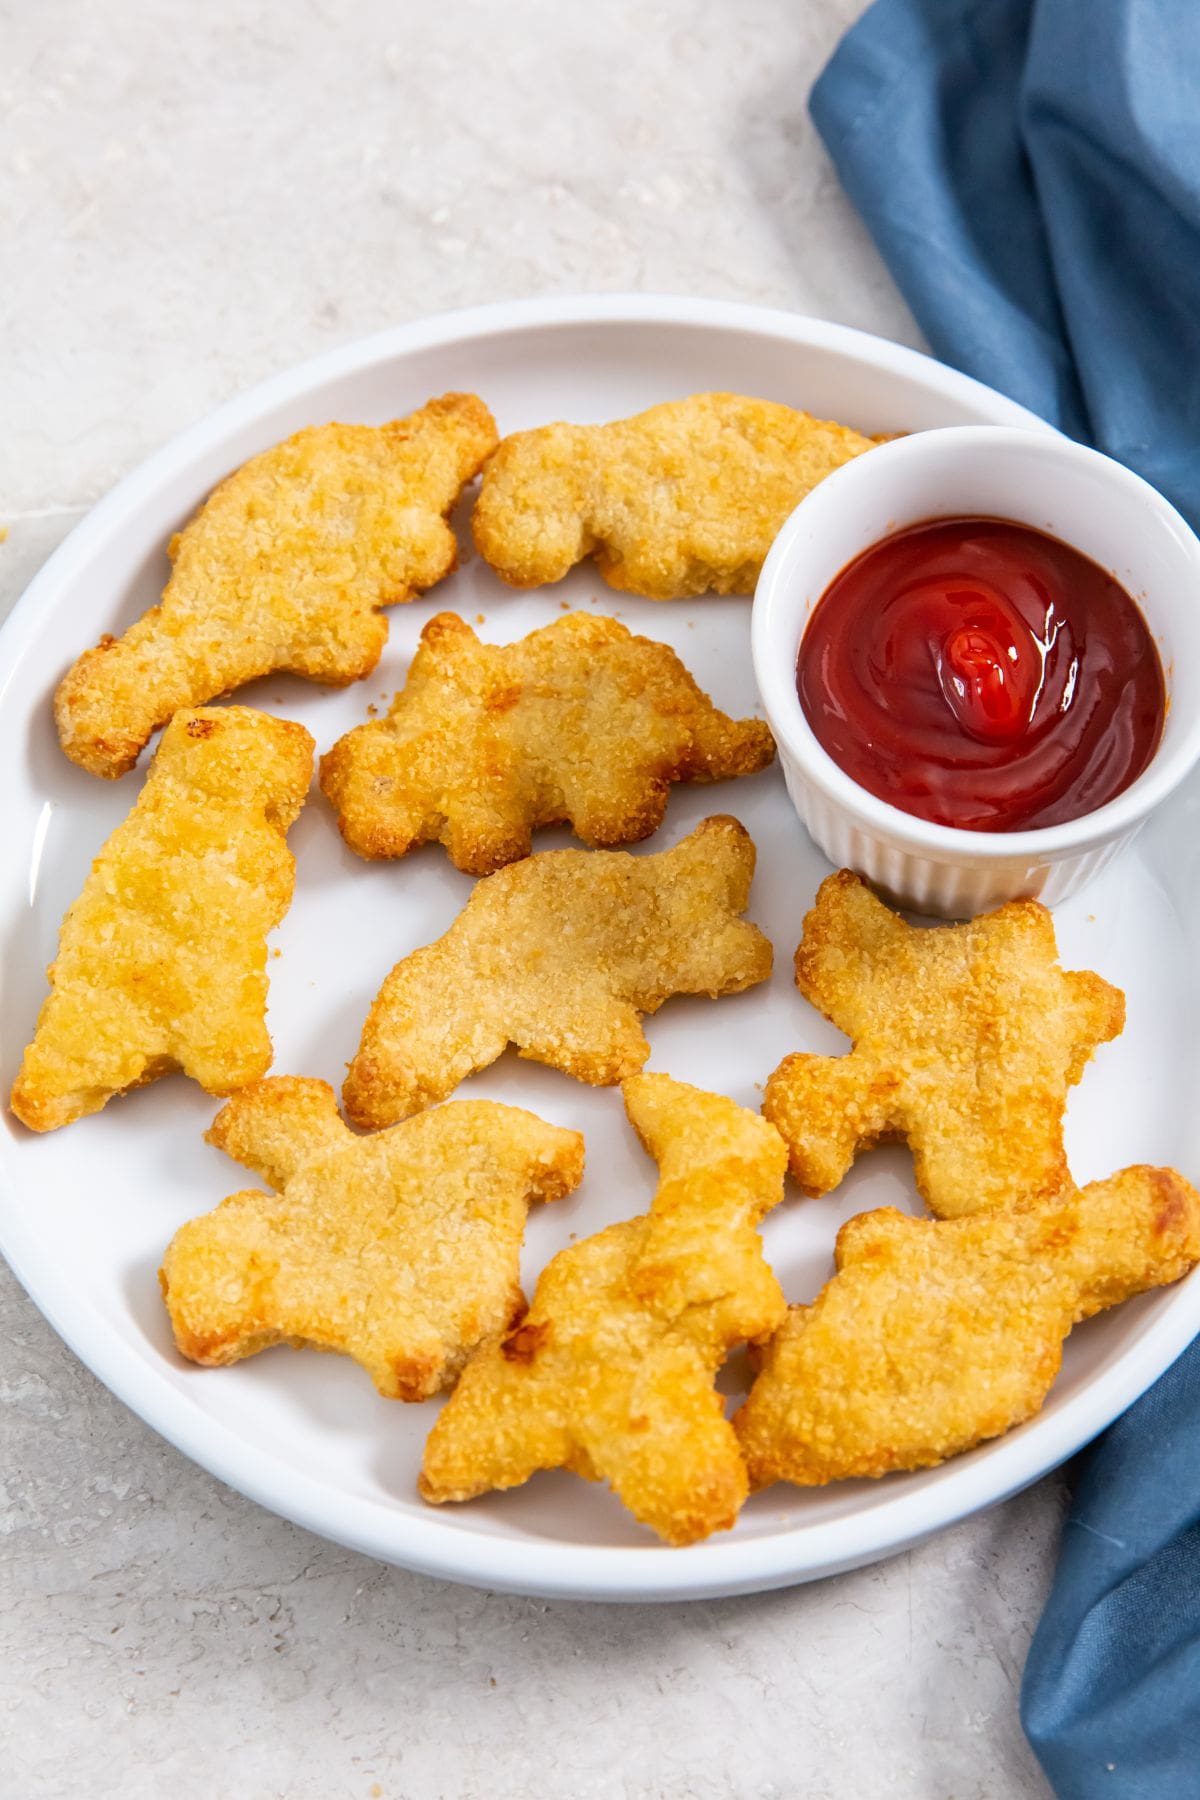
(724,1565)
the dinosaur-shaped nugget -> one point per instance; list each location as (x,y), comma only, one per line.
(401,1250)
(162,960)
(966,1040)
(579,722)
(283,567)
(934,1335)
(610,1372)
(683,499)
(559,955)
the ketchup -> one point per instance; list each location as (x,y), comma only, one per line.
(981,674)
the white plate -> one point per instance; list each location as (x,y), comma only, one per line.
(86,1212)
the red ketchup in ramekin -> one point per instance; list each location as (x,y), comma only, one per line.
(980,674)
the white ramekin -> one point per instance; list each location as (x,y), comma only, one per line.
(1056,486)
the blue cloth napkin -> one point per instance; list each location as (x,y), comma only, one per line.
(1030,170)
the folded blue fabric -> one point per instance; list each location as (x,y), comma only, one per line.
(1111,1697)
(1030,170)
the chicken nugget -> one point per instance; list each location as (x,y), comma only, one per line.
(401,1250)
(610,1372)
(580,722)
(933,1336)
(966,1040)
(283,567)
(559,955)
(683,499)
(162,960)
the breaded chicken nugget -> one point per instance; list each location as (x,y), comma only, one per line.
(401,1250)
(610,1372)
(934,1336)
(283,567)
(162,960)
(683,499)
(580,722)
(559,955)
(966,1040)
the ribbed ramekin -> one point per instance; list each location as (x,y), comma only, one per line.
(1055,486)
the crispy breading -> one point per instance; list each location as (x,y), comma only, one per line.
(683,499)
(283,567)
(610,1372)
(401,1250)
(580,722)
(934,1335)
(966,1040)
(162,960)
(559,955)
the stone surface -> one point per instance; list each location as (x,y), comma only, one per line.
(198,197)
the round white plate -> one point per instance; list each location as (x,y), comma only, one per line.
(86,1212)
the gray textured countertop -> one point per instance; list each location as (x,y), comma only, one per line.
(194,198)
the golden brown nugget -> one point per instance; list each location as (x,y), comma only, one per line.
(401,1250)
(933,1336)
(560,955)
(162,960)
(579,723)
(683,499)
(283,567)
(966,1040)
(610,1372)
